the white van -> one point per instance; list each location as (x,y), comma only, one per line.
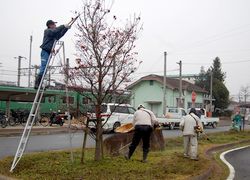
(113,115)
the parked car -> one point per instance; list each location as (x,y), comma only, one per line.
(113,115)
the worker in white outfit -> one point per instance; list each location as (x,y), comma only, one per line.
(187,125)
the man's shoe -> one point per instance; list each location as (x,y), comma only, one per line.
(195,159)
(144,159)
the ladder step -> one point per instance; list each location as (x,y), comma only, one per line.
(33,115)
(19,154)
(41,90)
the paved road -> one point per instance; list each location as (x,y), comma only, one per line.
(240,160)
(8,145)
(176,132)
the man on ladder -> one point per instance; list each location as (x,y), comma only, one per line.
(51,34)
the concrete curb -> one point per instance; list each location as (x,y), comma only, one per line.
(209,153)
(231,168)
(35,131)
(2,177)
(46,132)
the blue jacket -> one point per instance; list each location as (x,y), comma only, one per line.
(50,35)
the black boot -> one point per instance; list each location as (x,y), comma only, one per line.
(145,155)
(37,82)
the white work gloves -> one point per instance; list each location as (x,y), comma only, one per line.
(67,26)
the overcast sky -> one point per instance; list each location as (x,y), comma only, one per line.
(194,31)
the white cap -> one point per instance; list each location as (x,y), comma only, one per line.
(140,106)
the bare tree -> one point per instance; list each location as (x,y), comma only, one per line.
(244,93)
(107,57)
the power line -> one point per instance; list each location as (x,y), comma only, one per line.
(233,62)
(148,72)
(228,51)
(8,74)
(228,62)
(7,70)
(215,37)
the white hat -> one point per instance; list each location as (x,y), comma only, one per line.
(140,106)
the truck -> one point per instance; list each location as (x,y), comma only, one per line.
(174,116)
(207,121)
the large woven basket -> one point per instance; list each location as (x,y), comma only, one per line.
(125,128)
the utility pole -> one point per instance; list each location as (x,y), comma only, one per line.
(211,91)
(49,78)
(19,69)
(67,71)
(36,67)
(164,83)
(29,83)
(180,84)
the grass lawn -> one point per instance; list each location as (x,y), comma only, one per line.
(167,164)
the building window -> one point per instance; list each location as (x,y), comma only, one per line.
(182,103)
(71,100)
(85,100)
(51,99)
(196,105)
(151,82)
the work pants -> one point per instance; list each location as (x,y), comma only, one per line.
(190,146)
(44,61)
(141,132)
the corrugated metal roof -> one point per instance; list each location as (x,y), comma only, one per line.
(171,83)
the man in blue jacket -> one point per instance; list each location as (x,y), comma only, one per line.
(51,34)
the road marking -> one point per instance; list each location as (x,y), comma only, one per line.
(231,168)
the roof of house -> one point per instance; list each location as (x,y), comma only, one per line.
(171,83)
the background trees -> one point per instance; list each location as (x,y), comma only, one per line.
(220,91)
(244,93)
(106,57)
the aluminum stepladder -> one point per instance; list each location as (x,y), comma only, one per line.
(34,110)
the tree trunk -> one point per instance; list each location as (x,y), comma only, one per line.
(84,141)
(98,148)
(102,146)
